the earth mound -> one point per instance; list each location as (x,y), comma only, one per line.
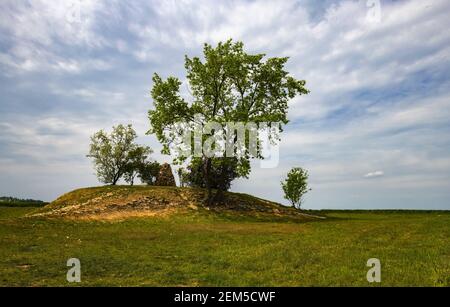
(119,202)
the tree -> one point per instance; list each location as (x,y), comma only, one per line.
(228,86)
(137,160)
(183,177)
(295,186)
(223,171)
(111,152)
(148,172)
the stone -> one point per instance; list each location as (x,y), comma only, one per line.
(165,176)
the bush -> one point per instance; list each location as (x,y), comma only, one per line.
(148,172)
(223,171)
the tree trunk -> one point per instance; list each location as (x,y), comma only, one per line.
(207,174)
(221,186)
(115,179)
(218,196)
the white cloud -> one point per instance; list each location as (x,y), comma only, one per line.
(46,22)
(379,91)
(37,28)
(374,174)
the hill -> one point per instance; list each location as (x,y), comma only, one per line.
(119,202)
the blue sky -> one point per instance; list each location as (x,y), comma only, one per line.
(373,133)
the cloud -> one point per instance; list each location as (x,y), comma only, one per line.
(41,32)
(374,174)
(379,91)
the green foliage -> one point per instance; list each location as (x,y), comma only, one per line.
(222,172)
(17,202)
(112,153)
(295,186)
(148,172)
(228,86)
(182,177)
(137,162)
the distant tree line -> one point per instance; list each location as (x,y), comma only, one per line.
(17,202)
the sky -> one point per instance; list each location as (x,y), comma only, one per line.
(374,132)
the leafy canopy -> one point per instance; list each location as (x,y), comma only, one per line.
(112,153)
(295,186)
(228,86)
(223,171)
(148,172)
(137,162)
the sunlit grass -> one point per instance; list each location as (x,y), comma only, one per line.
(205,249)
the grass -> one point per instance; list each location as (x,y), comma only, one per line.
(199,248)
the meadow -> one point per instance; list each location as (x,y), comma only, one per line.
(210,249)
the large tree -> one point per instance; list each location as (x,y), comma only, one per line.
(229,85)
(111,153)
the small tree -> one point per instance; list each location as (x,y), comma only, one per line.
(111,152)
(137,160)
(148,172)
(295,186)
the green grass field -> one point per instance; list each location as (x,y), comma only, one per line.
(205,249)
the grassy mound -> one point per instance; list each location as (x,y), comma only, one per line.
(119,202)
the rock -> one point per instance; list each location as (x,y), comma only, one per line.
(193,207)
(165,176)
